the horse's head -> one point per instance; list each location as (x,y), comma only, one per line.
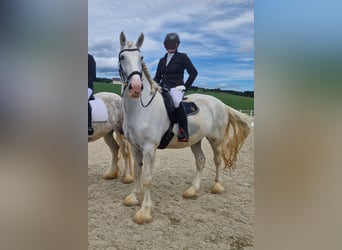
(130,64)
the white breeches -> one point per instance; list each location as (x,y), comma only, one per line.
(90,91)
(177,94)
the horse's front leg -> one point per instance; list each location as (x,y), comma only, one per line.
(144,215)
(135,197)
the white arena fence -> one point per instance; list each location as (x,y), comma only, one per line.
(250,113)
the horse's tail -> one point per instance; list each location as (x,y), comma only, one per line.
(234,139)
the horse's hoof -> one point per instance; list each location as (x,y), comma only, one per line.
(127,178)
(190,193)
(143,216)
(217,188)
(110,174)
(131,200)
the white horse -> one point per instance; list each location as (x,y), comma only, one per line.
(106,127)
(146,120)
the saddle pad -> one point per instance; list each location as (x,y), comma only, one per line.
(99,111)
(190,108)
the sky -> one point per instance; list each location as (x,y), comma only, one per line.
(217,35)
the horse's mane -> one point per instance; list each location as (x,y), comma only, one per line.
(130,44)
(153,84)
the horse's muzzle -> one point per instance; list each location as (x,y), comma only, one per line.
(135,88)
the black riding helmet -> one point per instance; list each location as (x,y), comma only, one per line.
(171,41)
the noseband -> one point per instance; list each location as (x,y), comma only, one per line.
(123,76)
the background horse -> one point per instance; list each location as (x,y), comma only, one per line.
(106,130)
(146,120)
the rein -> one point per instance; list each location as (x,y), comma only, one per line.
(154,94)
(154,86)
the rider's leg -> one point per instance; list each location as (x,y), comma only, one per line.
(177,97)
(90,128)
(182,123)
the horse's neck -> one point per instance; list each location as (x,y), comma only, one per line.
(147,86)
(150,93)
(148,111)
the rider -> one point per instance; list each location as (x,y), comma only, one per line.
(170,74)
(91,79)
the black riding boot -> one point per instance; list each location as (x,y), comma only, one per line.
(183,135)
(90,129)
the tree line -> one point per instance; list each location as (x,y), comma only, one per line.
(194,88)
(233,92)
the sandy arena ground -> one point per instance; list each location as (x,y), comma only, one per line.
(209,222)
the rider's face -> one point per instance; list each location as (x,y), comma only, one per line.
(171,46)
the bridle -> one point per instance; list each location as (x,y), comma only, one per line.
(123,76)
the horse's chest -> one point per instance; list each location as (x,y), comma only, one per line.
(141,132)
(135,131)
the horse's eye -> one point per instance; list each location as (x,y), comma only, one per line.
(122,57)
(142,57)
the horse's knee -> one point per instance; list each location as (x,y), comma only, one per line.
(147,182)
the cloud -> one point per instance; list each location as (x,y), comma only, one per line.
(106,62)
(216,34)
(226,25)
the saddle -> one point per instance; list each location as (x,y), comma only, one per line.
(190,109)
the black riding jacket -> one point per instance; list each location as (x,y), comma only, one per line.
(172,75)
(91,71)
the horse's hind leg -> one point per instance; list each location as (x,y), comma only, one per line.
(113,170)
(128,176)
(217,188)
(200,161)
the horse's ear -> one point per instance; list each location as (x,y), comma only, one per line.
(122,39)
(140,40)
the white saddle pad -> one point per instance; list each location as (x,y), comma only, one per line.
(99,111)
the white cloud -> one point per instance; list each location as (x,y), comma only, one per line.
(105,62)
(219,30)
(227,25)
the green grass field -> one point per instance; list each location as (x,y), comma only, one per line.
(235,101)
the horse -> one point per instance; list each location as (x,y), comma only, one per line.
(109,104)
(146,120)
